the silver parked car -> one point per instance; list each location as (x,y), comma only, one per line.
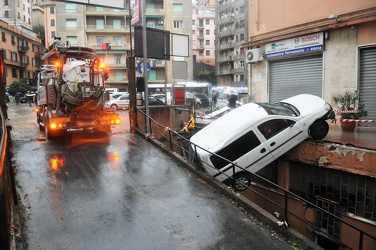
(121,102)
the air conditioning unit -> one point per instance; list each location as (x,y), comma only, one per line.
(253,55)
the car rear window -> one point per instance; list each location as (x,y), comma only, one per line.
(236,149)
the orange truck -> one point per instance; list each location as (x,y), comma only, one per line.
(71,93)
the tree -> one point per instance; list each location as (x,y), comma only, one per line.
(39,30)
(18,87)
(206,76)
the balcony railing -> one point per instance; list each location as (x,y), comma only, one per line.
(107,28)
(23,64)
(22,49)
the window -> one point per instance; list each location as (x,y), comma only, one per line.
(201,33)
(13,56)
(207,32)
(207,21)
(14,73)
(273,127)
(118,75)
(117,24)
(178,24)
(7,13)
(207,42)
(193,32)
(6,2)
(236,149)
(117,41)
(100,40)
(201,23)
(71,23)
(18,15)
(177,7)
(193,22)
(241,37)
(207,52)
(70,6)
(99,23)
(53,34)
(13,41)
(4,54)
(52,10)
(72,40)
(33,62)
(117,59)
(3,38)
(52,22)
(99,9)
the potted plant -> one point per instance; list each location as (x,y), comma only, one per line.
(351,107)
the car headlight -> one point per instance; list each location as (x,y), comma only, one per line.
(327,107)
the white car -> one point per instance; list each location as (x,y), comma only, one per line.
(121,102)
(255,134)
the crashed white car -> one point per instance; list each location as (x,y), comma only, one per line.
(255,134)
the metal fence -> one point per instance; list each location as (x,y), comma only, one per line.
(180,143)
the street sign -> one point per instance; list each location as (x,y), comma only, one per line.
(140,67)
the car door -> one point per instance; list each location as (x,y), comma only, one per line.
(281,134)
(248,151)
(123,101)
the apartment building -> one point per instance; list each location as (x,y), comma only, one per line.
(203,32)
(231,34)
(321,48)
(108,31)
(21,53)
(17,13)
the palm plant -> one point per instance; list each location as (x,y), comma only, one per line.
(350,105)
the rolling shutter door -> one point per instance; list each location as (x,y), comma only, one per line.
(367,83)
(295,76)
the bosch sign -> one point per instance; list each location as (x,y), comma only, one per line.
(297,45)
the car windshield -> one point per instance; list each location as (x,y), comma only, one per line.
(199,95)
(280,108)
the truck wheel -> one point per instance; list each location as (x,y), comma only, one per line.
(241,181)
(47,131)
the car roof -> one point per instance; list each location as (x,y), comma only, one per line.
(230,125)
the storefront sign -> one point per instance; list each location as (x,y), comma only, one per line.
(298,45)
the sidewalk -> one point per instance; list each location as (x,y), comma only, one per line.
(361,137)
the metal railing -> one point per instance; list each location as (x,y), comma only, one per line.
(188,150)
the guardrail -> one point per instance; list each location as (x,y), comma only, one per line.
(181,144)
(7,186)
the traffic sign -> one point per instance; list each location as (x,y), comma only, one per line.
(140,67)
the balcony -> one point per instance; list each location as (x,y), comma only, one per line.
(9,62)
(200,27)
(107,29)
(224,72)
(225,59)
(228,32)
(226,46)
(22,49)
(200,37)
(23,64)
(227,19)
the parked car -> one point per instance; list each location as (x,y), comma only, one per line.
(255,134)
(155,101)
(199,99)
(121,102)
(115,95)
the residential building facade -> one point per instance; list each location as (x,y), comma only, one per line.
(203,32)
(21,53)
(231,33)
(108,31)
(321,48)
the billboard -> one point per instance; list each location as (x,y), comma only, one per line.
(136,12)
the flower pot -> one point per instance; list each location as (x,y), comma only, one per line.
(348,126)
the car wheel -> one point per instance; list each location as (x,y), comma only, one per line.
(319,129)
(241,181)
(114,106)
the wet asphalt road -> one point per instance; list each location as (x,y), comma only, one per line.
(121,193)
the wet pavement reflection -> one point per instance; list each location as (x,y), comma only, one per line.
(120,193)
